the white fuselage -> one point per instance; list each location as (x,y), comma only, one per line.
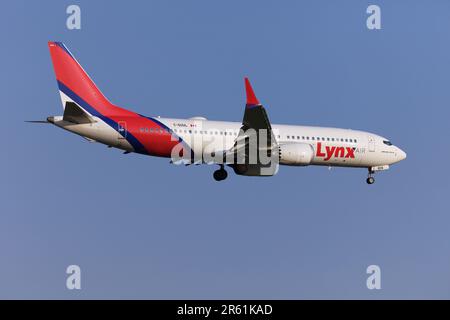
(331,145)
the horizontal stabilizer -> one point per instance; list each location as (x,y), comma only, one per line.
(73,113)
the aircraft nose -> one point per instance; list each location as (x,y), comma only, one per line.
(401,154)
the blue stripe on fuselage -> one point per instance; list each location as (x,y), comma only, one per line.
(137,146)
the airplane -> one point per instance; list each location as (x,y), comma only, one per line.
(253,147)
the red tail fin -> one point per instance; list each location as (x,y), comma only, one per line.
(74,83)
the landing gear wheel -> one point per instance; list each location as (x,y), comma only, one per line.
(370,180)
(220,174)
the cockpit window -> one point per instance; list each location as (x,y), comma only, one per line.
(388,143)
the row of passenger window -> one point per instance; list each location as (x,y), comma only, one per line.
(224,133)
(157,130)
(321,139)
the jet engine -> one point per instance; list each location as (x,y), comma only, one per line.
(296,154)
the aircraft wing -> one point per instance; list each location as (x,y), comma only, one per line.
(255,151)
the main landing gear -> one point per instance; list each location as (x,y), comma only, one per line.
(220,174)
(370,179)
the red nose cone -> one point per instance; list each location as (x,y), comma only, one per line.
(251,98)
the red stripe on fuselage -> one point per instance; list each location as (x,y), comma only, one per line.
(156,139)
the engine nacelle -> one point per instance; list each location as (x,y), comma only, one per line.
(296,154)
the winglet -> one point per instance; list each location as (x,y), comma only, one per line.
(252,101)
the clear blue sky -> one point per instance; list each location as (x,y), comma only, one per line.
(141,228)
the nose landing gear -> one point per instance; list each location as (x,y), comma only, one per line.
(220,174)
(370,179)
